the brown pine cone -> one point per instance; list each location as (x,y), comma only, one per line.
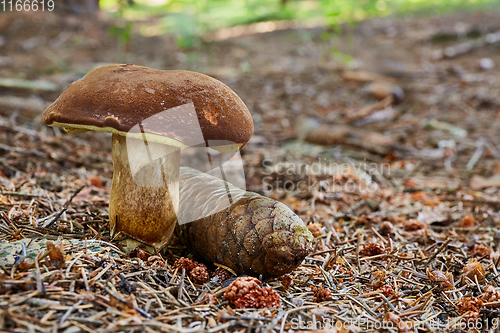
(196,271)
(245,292)
(321,294)
(470,307)
(372,249)
(387,290)
(315,229)
(222,273)
(265,297)
(413,225)
(254,235)
(199,274)
(490,294)
(185,263)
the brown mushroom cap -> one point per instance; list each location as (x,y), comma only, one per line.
(116,98)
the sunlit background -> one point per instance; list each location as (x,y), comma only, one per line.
(191,19)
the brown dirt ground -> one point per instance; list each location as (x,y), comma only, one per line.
(281,75)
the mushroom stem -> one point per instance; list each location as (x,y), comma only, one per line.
(145,190)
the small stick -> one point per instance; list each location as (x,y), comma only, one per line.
(9,221)
(70,310)
(121,300)
(54,220)
(39,283)
(19,194)
(181,285)
(476,156)
(360,240)
(439,250)
(66,205)
(85,279)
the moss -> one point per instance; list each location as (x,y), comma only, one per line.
(300,232)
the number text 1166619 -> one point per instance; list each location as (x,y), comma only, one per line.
(26,5)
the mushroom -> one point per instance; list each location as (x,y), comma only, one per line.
(151,114)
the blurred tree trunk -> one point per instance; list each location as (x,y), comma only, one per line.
(78,7)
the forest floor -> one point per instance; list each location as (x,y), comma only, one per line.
(404,207)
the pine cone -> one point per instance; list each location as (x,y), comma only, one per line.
(199,274)
(413,225)
(321,294)
(254,235)
(315,229)
(245,292)
(490,294)
(222,273)
(185,263)
(196,271)
(470,307)
(372,249)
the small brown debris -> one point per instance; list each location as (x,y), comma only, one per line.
(321,294)
(372,249)
(139,253)
(477,182)
(413,225)
(364,77)
(124,302)
(386,228)
(381,90)
(25,264)
(156,261)
(362,220)
(245,292)
(96,182)
(286,281)
(397,322)
(388,290)
(378,278)
(315,229)
(474,269)
(425,198)
(495,256)
(443,279)
(209,299)
(410,183)
(468,222)
(490,294)
(222,315)
(222,273)
(56,254)
(480,250)
(470,307)
(197,272)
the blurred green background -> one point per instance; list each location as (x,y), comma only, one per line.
(190,19)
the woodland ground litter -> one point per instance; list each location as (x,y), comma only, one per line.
(400,235)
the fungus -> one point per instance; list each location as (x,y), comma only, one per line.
(151,114)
